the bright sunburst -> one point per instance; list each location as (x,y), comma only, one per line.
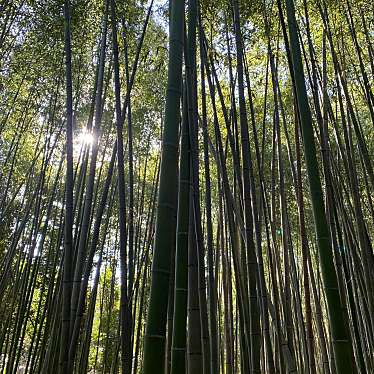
(85,137)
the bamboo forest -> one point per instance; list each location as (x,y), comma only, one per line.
(186,186)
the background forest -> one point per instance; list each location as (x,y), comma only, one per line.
(186,186)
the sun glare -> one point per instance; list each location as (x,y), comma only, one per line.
(85,137)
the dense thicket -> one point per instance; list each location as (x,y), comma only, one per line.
(186,186)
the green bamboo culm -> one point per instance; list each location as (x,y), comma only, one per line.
(344,360)
(178,355)
(155,336)
(67,283)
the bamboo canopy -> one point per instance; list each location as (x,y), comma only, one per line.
(186,187)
